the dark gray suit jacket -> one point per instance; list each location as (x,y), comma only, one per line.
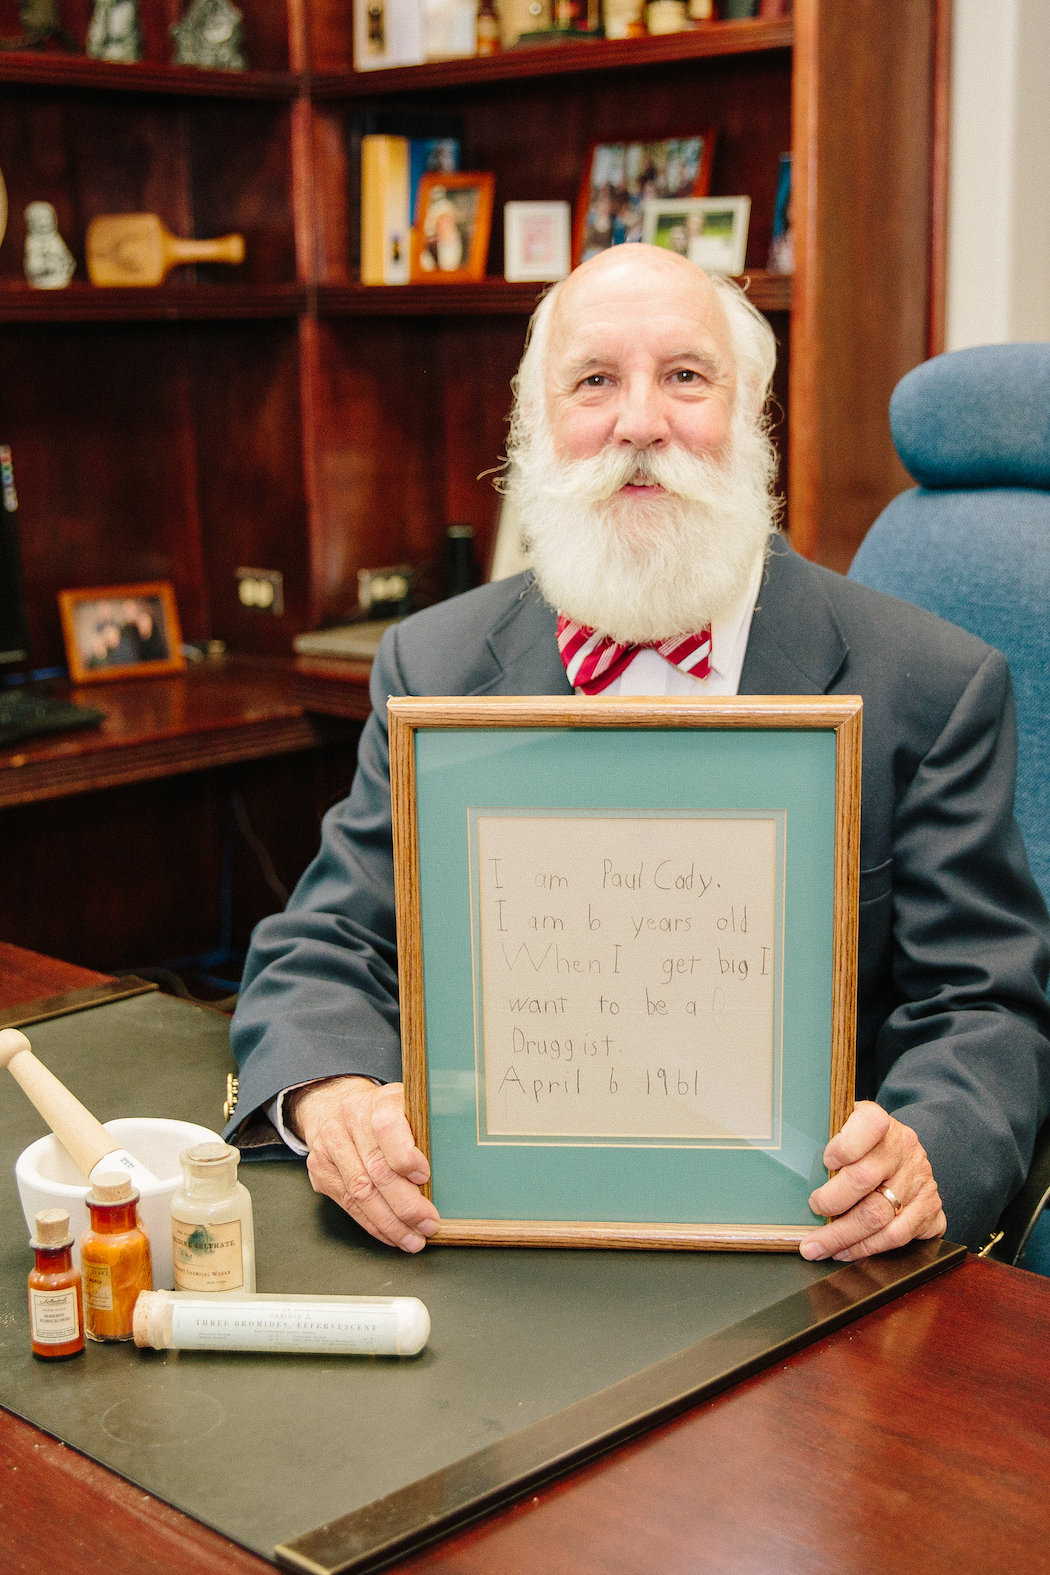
(953,1022)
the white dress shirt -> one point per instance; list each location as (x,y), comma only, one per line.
(648,673)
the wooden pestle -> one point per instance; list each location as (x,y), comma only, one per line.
(84,1139)
(137,249)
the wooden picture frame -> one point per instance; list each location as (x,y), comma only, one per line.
(710,231)
(618,178)
(709,1133)
(121,631)
(459,203)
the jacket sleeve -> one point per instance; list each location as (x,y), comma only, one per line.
(319,995)
(964,1058)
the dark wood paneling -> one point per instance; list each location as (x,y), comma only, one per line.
(139,869)
(250,477)
(205,169)
(100,424)
(865,189)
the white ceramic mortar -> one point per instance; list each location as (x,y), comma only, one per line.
(48,1179)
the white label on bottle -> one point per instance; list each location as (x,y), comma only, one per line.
(207,1258)
(286,1326)
(98,1286)
(53,1316)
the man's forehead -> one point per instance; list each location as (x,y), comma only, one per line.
(676,309)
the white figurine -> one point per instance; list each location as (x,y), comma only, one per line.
(211,34)
(49,262)
(114,32)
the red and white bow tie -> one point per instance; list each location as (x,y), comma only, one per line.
(593,661)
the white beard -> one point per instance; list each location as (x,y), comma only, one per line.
(645,569)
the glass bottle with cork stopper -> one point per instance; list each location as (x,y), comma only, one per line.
(212,1234)
(56,1306)
(115,1255)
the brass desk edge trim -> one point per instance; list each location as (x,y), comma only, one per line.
(73,1001)
(422,1513)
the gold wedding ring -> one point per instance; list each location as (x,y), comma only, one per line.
(891,1197)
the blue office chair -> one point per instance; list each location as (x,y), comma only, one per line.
(972,543)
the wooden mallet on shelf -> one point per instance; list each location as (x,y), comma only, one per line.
(136,249)
(84,1139)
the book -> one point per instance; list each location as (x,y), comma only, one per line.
(435,144)
(385,214)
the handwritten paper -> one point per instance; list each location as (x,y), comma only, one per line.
(626,977)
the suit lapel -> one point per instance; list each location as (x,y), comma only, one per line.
(523,648)
(796,645)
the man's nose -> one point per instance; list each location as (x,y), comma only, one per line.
(640,418)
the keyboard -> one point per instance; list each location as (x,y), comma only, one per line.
(24,713)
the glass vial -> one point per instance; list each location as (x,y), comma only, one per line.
(115,1256)
(212,1235)
(56,1306)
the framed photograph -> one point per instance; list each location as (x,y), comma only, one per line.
(121,631)
(710,231)
(627,949)
(450,239)
(620,177)
(536,241)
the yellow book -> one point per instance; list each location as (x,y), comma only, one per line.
(385,219)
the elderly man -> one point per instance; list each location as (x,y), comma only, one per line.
(642,472)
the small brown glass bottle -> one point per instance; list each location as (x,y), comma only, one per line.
(56,1307)
(115,1255)
(488,30)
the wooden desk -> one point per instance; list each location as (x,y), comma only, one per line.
(127,823)
(219,711)
(916,1437)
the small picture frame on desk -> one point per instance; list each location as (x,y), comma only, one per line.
(450,238)
(627,961)
(121,631)
(710,231)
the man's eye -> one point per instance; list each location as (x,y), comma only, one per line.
(595,380)
(685,374)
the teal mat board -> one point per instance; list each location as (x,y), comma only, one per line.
(789,771)
(265,1448)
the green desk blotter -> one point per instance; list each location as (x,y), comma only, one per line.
(536,1359)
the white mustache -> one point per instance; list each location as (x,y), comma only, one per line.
(603,475)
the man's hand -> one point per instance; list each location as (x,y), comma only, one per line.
(873,1150)
(363,1154)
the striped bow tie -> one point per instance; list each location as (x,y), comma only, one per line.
(592,661)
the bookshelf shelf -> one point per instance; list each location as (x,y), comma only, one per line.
(77,71)
(707,41)
(83,303)
(489,297)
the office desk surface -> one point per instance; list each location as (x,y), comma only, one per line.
(217,712)
(917,1438)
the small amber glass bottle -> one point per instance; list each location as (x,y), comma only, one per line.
(115,1256)
(56,1308)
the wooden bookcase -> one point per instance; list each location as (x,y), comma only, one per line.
(283,416)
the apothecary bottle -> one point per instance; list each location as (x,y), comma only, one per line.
(212,1234)
(115,1257)
(56,1306)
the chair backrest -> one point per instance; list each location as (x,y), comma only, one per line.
(972,541)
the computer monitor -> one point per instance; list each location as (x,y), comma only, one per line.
(14,625)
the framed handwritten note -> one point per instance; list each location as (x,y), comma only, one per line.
(627,936)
